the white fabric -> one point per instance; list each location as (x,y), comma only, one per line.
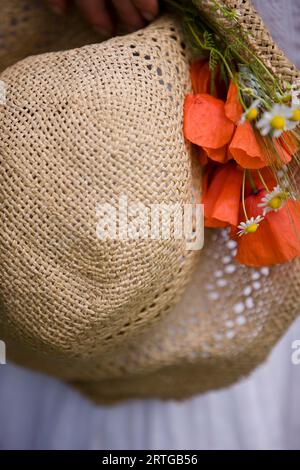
(262,412)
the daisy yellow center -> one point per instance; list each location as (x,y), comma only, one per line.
(286,99)
(277,122)
(275,202)
(296,115)
(251,228)
(252,114)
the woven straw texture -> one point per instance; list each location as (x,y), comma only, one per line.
(115,318)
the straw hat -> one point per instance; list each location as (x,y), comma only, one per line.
(119,318)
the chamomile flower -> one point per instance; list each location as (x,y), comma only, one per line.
(251,113)
(274,200)
(250,226)
(294,119)
(275,121)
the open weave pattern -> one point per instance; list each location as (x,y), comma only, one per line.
(256,35)
(80,127)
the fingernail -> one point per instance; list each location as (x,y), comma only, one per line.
(148,15)
(102,31)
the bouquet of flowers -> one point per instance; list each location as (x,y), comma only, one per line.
(244,123)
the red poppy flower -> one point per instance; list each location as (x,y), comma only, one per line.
(211,124)
(222,194)
(277,239)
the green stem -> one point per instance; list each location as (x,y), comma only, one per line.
(243,195)
(242,48)
(256,97)
(263,181)
(211,49)
(241,96)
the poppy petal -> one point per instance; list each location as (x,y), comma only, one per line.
(233,107)
(200,76)
(205,122)
(221,195)
(218,155)
(245,149)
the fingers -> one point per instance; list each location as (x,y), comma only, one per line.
(97,14)
(132,13)
(128,14)
(57,6)
(147,8)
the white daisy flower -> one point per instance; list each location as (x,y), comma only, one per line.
(275,121)
(250,226)
(251,113)
(274,200)
(294,119)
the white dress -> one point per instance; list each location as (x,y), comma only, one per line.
(262,412)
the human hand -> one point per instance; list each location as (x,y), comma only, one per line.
(101,14)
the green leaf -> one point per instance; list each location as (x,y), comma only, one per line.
(208,40)
(213,60)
